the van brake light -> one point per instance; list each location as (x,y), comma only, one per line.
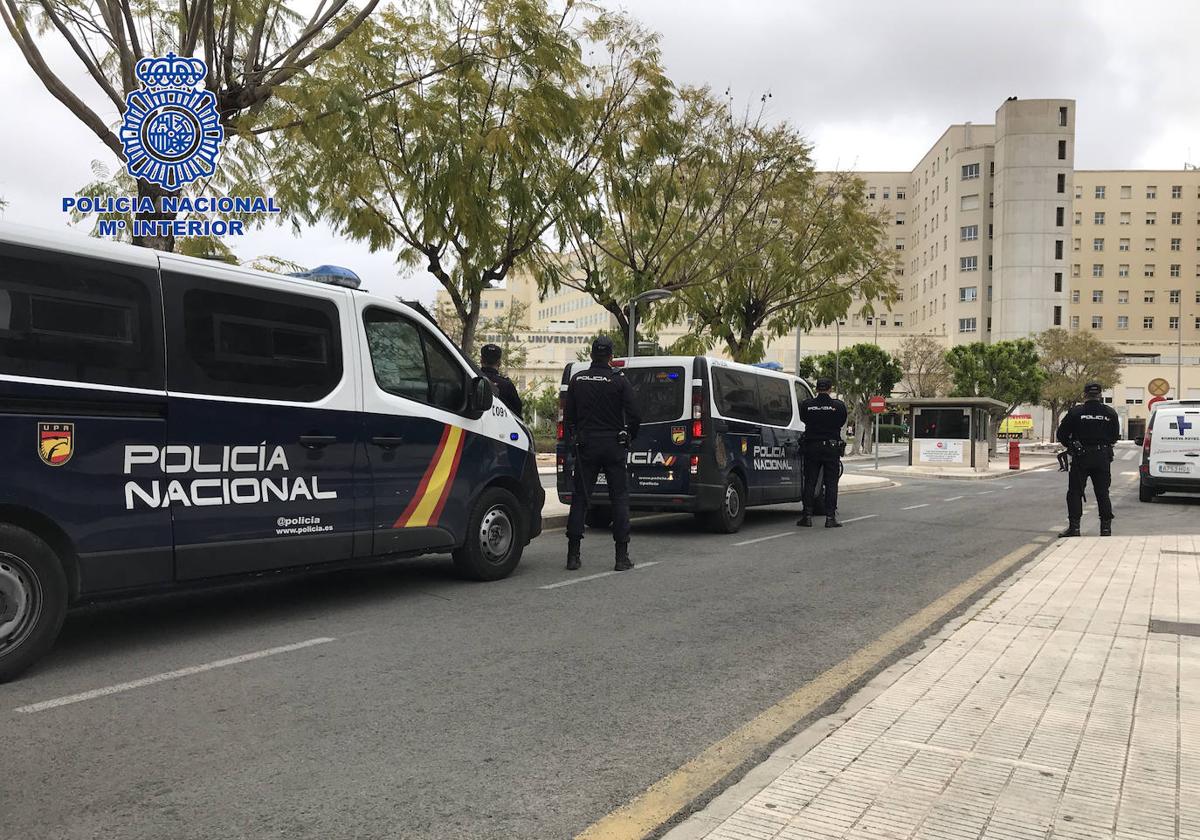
(697,411)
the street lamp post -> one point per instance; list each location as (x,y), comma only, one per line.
(647,296)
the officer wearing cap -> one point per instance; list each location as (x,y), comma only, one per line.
(600,418)
(823,419)
(489,364)
(1089,432)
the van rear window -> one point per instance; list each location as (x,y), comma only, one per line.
(658,392)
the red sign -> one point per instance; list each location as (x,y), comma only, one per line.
(1154,401)
(878,405)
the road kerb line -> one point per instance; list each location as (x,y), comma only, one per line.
(859,518)
(674,792)
(914,507)
(763,539)
(597,576)
(69,699)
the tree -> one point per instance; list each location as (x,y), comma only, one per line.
(1071,360)
(678,179)
(814,247)
(860,372)
(1008,371)
(254,52)
(505,331)
(926,371)
(618,339)
(465,171)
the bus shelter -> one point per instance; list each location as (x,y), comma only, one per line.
(949,432)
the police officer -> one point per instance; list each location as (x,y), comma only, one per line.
(489,363)
(600,418)
(823,419)
(1089,432)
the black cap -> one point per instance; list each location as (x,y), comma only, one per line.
(1093,389)
(490,352)
(602,345)
(824,384)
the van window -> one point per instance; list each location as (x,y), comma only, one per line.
(237,341)
(802,392)
(409,362)
(657,392)
(737,395)
(776,399)
(79,320)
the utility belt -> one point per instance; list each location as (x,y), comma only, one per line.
(837,445)
(601,436)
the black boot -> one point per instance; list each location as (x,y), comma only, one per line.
(831,522)
(623,564)
(805,521)
(1106,527)
(1072,529)
(573,562)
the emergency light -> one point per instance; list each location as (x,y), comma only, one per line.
(334,275)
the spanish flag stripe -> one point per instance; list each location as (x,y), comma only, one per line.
(439,484)
(458,451)
(403,521)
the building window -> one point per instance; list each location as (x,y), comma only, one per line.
(1098,217)
(1097,296)
(968,294)
(1062,149)
(1148,270)
(1122,296)
(991,199)
(1059,214)
(899,218)
(1177,218)
(871,192)
(1176,244)
(1058,316)
(968,263)
(967,325)
(1097,244)
(900,193)
(1058,249)
(1122,322)
(1177,191)
(1125,218)
(1078,218)
(1127,192)
(1075,270)
(1074,296)
(1133,396)
(1123,245)
(1148,322)
(1174,272)
(1097,269)
(969,233)
(1062,116)
(969,171)
(1100,192)
(989,262)
(1079,190)
(1151,218)
(1174,295)
(990,236)
(1076,244)
(1058,281)
(1148,296)
(1097,322)
(1123,270)
(899,244)
(1074,322)
(1062,182)
(1152,192)
(1151,244)
(969,202)
(887,193)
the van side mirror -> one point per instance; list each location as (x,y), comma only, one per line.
(480,398)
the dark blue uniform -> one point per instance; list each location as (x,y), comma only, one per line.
(599,408)
(823,419)
(1089,431)
(505,389)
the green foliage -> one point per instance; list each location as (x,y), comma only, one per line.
(889,432)
(504,331)
(860,372)
(1008,371)
(1069,361)
(618,339)
(926,372)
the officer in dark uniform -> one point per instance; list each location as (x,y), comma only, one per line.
(489,363)
(1089,432)
(823,419)
(600,419)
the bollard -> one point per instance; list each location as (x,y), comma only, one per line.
(1014,455)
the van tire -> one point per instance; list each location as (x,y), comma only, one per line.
(495,538)
(728,518)
(1145,492)
(33,599)
(600,517)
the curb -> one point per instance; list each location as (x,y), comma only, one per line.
(970,477)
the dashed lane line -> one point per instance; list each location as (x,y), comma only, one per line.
(46,705)
(914,507)
(953,498)
(763,539)
(859,518)
(598,575)
(985,492)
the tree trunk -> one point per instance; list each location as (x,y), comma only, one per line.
(156,239)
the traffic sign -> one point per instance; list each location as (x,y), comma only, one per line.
(878,405)
(1158,387)
(1153,402)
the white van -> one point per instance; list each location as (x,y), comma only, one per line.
(1171,450)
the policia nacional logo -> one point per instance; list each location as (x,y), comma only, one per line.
(171,132)
(56,443)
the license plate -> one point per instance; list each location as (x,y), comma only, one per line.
(1174,468)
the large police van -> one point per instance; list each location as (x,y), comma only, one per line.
(167,420)
(1171,450)
(716,437)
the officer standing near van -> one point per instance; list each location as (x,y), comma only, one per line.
(1089,432)
(823,419)
(489,364)
(600,418)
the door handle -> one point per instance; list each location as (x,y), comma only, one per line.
(387,441)
(317,441)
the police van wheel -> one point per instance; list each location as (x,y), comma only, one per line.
(599,517)
(495,537)
(732,512)
(33,599)
(1145,494)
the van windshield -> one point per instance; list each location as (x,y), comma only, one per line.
(658,392)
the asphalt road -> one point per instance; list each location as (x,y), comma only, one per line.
(426,707)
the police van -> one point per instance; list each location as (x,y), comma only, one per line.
(166,421)
(716,437)
(1171,450)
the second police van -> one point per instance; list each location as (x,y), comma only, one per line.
(167,421)
(716,437)
(1171,450)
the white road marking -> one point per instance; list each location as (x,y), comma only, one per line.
(984,492)
(953,499)
(1007,487)
(165,677)
(764,539)
(597,576)
(859,518)
(914,507)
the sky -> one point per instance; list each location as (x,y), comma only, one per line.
(871,83)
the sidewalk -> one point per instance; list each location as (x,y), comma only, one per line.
(997,468)
(1067,706)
